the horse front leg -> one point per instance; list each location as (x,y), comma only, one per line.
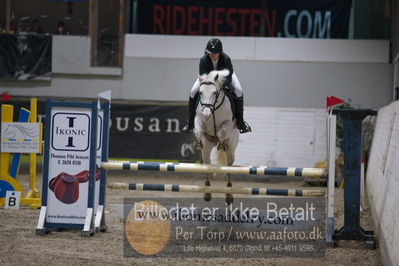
(223,145)
(198,144)
(198,140)
(223,135)
(229,196)
(230,156)
(206,159)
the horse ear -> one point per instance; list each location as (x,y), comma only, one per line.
(217,76)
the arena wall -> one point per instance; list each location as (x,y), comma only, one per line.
(274,72)
(382,182)
(283,137)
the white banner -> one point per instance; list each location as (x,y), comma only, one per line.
(20,137)
(68,170)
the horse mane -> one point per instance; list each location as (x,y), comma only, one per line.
(215,75)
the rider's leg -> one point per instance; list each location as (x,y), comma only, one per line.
(191,107)
(242,126)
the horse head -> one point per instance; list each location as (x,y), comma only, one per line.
(210,91)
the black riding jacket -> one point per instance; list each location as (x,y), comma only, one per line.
(224,62)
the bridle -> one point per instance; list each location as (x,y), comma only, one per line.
(212,106)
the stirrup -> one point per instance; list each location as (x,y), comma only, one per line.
(244,128)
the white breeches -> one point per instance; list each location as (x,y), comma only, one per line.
(235,84)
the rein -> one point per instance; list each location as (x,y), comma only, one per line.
(212,107)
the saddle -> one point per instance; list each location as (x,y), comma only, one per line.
(66,186)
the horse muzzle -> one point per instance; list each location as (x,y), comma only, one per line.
(206,114)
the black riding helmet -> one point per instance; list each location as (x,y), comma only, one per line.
(214,46)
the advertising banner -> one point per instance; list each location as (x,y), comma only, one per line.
(270,18)
(68,167)
(20,137)
(150,131)
(24,57)
(140,130)
(72,187)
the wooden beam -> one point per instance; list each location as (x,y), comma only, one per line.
(8,16)
(93,30)
(121,39)
(262,28)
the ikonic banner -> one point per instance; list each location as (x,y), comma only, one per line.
(271,18)
(24,57)
(68,167)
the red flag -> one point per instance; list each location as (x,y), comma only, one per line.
(5,97)
(331,101)
(334,101)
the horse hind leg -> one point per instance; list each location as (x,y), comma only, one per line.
(229,196)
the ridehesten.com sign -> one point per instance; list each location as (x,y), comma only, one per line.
(271,18)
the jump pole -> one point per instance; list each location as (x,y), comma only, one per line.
(210,168)
(210,189)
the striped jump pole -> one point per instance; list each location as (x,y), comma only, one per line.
(210,168)
(210,189)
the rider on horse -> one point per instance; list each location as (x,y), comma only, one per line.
(216,59)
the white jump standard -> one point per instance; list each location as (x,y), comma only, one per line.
(210,189)
(210,169)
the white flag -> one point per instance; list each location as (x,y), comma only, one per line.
(105,95)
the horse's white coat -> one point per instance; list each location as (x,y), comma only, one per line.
(209,113)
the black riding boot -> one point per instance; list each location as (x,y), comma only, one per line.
(242,126)
(191,114)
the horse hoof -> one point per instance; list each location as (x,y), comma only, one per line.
(223,146)
(229,184)
(229,198)
(199,145)
(207,183)
(220,146)
(207,196)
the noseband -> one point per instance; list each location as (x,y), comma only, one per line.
(212,107)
